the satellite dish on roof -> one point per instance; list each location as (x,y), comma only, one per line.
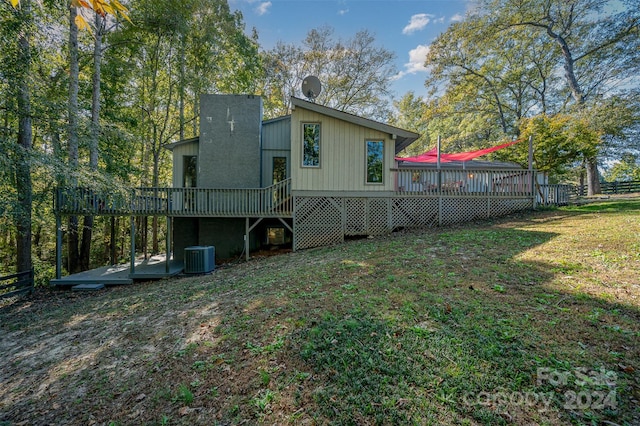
(311,87)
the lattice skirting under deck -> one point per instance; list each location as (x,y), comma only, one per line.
(322,220)
(317,221)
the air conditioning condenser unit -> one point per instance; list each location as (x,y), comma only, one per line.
(199,259)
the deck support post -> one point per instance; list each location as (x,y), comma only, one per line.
(246,238)
(167,264)
(112,251)
(132,266)
(58,247)
(248,229)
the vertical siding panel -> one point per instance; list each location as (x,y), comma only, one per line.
(276,142)
(350,161)
(348,169)
(333,177)
(327,178)
(350,166)
(320,178)
(343,150)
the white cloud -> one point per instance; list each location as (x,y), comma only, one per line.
(457,18)
(417,23)
(343,12)
(263,8)
(415,65)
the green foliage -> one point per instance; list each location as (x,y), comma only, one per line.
(513,61)
(183,394)
(559,141)
(152,75)
(627,169)
(410,115)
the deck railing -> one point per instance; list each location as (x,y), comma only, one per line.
(16,284)
(497,183)
(273,201)
(554,195)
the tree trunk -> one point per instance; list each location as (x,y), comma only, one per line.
(593,177)
(155,247)
(72,232)
(196,114)
(84,253)
(591,165)
(25,142)
(87,229)
(181,85)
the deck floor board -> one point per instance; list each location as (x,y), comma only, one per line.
(151,268)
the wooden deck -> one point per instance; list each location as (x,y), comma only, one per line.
(503,183)
(150,269)
(276,201)
(273,201)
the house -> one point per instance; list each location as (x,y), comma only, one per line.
(307,179)
(316,150)
(340,172)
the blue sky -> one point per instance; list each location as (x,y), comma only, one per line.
(405,27)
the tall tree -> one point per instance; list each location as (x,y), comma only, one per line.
(598,48)
(73,250)
(28,87)
(25,141)
(94,134)
(627,169)
(355,73)
(177,51)
(410,112)
(515,59)
(490,81)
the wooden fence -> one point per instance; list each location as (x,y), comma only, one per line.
(15,284)
(611,188)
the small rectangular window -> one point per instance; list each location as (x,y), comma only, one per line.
(311,145)
(375,161)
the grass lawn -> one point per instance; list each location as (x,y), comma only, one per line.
(530,319)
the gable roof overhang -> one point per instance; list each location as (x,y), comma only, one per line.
(172,145)
(277,119)
(403,138)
